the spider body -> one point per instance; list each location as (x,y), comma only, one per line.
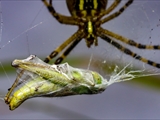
(89,15)
(86,10)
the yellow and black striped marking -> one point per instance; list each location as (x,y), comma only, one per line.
(87,6)
(128,51)
(129,41)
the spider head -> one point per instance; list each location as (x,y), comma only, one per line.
(90,37)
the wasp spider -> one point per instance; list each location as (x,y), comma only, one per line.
(87,15)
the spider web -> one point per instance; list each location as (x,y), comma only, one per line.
(32,30)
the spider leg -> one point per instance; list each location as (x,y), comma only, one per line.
(128,51)
(60,18)
(116,14)
(63,45)
(128,41)
(108,10)
(68,50)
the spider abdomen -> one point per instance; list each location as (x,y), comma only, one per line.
(84,8)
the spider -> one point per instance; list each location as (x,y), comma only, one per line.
(87,15)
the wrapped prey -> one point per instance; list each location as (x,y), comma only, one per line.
(36,78)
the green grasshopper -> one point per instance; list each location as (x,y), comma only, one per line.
(39,79)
